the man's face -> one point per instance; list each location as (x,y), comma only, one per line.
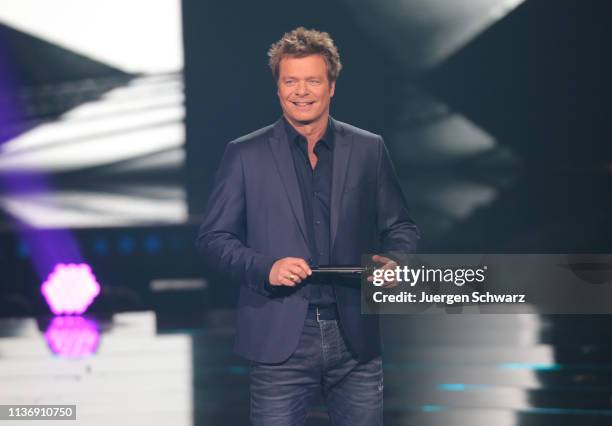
(303,88)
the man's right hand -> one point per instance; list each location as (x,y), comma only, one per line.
(289,271)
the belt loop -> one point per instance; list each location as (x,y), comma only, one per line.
(318,315)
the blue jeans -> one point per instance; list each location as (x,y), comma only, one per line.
(282,393)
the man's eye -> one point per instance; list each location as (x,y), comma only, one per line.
(315,81)
(289,82)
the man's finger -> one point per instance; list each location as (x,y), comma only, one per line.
(381,259)
(389,265)
(304,266)
(296,270)
(284,280)
(290,275)
(293,274)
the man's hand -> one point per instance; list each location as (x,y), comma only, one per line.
(289,271)
(386,264)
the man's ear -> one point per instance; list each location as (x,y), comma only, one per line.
(332,88)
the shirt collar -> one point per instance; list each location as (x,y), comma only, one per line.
(294,136)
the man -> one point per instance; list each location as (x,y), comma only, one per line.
(306,191)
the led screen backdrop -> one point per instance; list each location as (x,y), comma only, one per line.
(91,113)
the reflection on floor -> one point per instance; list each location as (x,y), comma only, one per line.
(147,368)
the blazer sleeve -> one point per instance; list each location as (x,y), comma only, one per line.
(397,231)
(222,235)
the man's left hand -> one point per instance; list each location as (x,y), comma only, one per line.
(386,264)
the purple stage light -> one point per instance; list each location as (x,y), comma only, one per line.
(72,336)
(70,288)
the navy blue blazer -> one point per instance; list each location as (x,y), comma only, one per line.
(255,217)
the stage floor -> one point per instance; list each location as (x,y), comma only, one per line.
(148,368)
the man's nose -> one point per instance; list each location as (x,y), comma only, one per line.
(301,88)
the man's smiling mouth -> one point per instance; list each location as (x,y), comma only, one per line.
(302,104)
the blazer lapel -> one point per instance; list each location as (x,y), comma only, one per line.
(284,162)
(342,153)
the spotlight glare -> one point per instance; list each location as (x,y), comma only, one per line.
(70,288)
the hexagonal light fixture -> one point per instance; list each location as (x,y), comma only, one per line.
(70,288)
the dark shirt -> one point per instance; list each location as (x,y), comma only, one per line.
(315,188)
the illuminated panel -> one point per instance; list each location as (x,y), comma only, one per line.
(134,36)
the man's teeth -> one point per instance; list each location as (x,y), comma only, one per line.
(302,103)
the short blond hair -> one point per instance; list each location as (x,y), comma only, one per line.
(302,42)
